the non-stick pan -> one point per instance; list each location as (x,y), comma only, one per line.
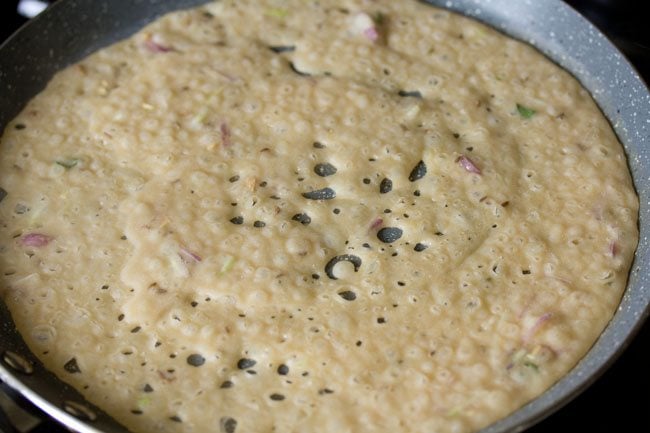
(71,29)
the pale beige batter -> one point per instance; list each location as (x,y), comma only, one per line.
(313,216)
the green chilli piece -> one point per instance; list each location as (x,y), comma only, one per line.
(277,13)
(525,112)
(68,163)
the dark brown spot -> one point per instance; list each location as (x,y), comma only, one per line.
(282,48)
(348,295)
(71,366)
(228,424)
(410,94)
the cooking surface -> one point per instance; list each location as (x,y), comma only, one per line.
(612,394)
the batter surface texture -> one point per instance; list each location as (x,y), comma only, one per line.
(313,216)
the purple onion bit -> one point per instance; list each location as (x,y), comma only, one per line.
(35,240)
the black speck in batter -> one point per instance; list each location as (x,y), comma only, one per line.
(320,194)
(348,295)
(228,424)
(195,360)
(389,234)
(276,397)
(419,247)
(301,73)
(71,366)
(245,363)
(302,218)
(329,267)
(282,48)
(410,93)
(418,172)
(325,169)
(385,186)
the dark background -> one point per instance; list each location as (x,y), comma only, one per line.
(620,400)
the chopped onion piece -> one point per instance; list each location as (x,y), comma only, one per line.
(538,324)
(376,224)
(35,240)
(371,33)
(156,47)
(187,254)
(468,164)
(225,135)
(613,248)
(363,24)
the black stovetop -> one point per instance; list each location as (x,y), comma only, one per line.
(619,401)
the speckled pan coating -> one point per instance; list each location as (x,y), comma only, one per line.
(74,28)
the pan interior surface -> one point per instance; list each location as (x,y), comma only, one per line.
(551,27)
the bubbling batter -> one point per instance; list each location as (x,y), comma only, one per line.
(310,216)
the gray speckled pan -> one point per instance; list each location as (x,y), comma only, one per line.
(72,29)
